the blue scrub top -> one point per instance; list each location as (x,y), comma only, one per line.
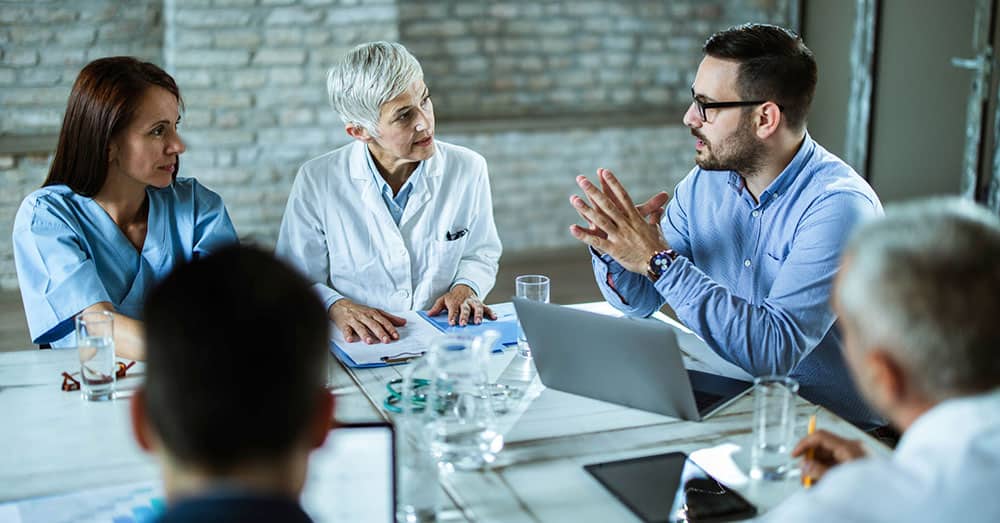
(70,254)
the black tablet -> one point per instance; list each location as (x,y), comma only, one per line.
(670,487)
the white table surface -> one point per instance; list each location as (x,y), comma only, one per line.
(52,441)
(550,435)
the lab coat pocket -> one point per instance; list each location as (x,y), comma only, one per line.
(444,258)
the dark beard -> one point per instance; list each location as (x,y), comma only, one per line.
(744,153)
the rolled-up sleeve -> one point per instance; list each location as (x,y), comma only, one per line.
(631,293)
(634,294)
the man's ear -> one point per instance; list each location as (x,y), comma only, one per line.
(886,377)
(358,133)
(768,120)
(141,427)
(322,420)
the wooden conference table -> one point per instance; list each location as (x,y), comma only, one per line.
(53,442)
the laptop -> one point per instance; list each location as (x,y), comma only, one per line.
(635,362)
(352,476)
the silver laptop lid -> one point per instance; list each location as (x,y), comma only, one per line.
(627,361)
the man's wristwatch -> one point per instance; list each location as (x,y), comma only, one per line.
(659,262)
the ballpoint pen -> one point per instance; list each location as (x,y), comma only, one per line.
(807,481)
(402,357)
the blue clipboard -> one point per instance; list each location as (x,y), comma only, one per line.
(506,324)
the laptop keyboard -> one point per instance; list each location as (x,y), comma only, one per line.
(705,400)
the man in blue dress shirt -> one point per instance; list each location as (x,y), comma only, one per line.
(747,249)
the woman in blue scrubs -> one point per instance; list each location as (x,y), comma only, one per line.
(112,217)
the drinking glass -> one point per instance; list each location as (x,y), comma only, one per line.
(774,418)
(533,287)
(96,347)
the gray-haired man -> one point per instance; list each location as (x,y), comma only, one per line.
(919,300)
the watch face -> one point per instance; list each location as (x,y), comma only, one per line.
(660,261)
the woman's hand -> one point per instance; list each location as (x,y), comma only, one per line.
(360,322)
(463,305)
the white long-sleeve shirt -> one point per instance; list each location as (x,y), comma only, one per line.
(946,468)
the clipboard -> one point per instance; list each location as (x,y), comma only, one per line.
(505,324)
(419,331)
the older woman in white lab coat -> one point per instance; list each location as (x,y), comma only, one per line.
(395,220)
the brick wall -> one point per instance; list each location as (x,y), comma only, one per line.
(43,46)
(532,173)
(544,90)
(253,75)
(521,57)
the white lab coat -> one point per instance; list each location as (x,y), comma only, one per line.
(339,233)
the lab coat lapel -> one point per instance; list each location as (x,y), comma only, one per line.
(424,188)
(418,198)
(368,191)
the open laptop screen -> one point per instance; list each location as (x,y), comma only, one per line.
(351,476)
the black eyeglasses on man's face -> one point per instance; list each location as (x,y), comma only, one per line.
(703,106)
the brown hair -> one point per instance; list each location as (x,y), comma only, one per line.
(103,101)
(775,65)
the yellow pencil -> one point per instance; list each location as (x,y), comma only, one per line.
(807,481)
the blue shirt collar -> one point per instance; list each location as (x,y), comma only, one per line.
(787,176)
(383,186)
(791,171)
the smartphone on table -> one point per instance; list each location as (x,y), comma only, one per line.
(669,488)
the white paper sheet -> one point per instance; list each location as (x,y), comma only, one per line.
(414,338)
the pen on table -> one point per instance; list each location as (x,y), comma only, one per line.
(402,357)
(807,481)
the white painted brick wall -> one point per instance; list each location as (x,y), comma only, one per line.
(252,73)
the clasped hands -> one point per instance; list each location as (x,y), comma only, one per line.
(372,325)
(628,233)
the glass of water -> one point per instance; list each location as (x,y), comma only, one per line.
(774,418)
(533,287)
(96,346)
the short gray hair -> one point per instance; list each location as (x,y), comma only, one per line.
(367,77)
(924,282)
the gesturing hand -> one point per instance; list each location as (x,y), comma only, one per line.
(629,233)
(829,451)
(462,303)
(360,322)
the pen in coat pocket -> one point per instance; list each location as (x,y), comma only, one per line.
(452,236)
